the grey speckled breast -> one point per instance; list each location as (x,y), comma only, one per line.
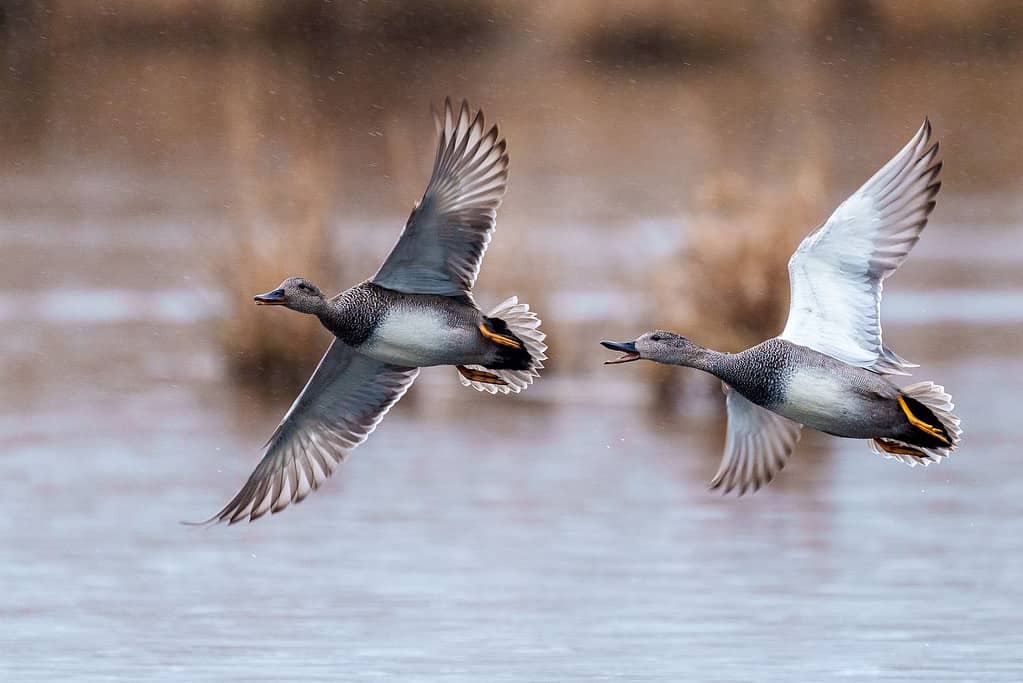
(814,389)
(416,330)
(354,313)
(760,372)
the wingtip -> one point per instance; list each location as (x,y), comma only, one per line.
(228,515)
(207,523)
(921,139)
(464,110)
(438,121)
(718,485)
(479,122)
(449,122)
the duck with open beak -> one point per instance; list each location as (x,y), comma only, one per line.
(627,349)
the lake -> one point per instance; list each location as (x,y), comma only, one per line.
(564,534)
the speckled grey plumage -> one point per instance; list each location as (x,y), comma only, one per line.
(770,373)
(353,314)
(416,311)
(827,368)
(358,317)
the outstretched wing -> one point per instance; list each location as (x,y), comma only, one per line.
(341,404)
(838,271)
(757,445)
(442,245)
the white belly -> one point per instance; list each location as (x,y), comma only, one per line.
(819,399)
(413,337)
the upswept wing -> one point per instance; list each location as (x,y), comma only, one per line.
(838,271)
(442,245)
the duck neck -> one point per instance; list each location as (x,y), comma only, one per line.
(332,315)
(352,316)
(704,359)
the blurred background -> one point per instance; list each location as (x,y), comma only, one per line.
(164,161)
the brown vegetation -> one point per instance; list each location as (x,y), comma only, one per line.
(276,346)
(729,290)
(295,95)
(281,208)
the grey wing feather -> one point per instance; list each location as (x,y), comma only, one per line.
(757,445)
(343,402)
(838,272)
(442,245)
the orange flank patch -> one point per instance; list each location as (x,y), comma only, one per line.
(899,449)
(499,338)
(482,376)
(920,424)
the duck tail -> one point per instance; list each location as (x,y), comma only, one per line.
(522,325)
(929,409)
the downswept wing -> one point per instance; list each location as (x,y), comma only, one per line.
(343,402)
(757,445)
(442,245)
(838,271)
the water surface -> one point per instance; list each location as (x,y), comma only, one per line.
(565,534)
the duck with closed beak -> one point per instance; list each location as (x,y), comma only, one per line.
(417,311)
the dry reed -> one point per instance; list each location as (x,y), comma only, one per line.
(276,346)
(728,290)
(281,209)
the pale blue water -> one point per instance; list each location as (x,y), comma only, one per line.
(562,535)
(528,544)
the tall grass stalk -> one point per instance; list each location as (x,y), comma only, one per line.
(729,288)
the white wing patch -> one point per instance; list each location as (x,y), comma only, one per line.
(837,273)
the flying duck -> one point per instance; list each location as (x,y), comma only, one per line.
(416,311)
(829,369)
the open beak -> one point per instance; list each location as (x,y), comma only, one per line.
(274,298)
(628,350)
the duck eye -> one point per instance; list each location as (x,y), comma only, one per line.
(305,287)
(656,337)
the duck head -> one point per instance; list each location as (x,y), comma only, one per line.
(658,346)
(295,293)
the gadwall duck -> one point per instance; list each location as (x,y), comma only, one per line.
(828,368)
(417,311)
